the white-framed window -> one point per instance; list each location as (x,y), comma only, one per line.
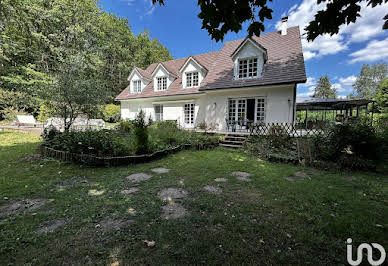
(158,112)
(247,68)
(189,113)
(260,110)
(136,86)
(161,83)
(192,79)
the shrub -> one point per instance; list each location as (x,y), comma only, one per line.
(111,113)
(91,142)
(140,130)
(125,126)
(45,112)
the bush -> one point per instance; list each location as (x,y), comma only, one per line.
(111,113)
(140,130)
(125,126)
(100,143)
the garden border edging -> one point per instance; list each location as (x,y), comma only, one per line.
(92,160)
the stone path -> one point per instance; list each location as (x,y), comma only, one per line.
(51,226)
(21,206)
(299,175)
(111,224)
(172,193)
(213,190)
(129,191)
(173,211)
(160,170)
(138,177)
(242,176)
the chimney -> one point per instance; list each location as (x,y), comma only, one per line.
(284,25)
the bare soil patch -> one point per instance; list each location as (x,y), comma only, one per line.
(213,190)
(221,180)
(242,176)
(160,170)
(173,211)
(111,224)
(138,177)
(50,226)
(21,206)
(172,193)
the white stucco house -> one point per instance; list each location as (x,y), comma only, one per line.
(254,79)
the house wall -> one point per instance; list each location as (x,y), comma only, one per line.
(212,107)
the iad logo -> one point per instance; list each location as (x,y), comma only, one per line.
(369,253)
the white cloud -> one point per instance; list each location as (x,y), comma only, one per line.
(308,87)
(348,81)
(374,51)
(129,2)
(367,26)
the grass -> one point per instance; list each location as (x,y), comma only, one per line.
(267,221)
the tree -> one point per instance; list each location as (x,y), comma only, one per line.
(382,96)
(221,16)
(324,89)
(369,79)
(38,37)
(76,89)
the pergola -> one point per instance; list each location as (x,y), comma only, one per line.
(342,109)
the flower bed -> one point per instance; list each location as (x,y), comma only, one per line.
(130,142)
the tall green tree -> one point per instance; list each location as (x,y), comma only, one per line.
(37,38)
(220,17)
(382,96)
(324,89)
(369,79)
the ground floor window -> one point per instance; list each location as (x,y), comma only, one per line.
(189,113)
(247,109)
(158,112)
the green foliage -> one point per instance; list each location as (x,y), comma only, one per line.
(369,80)
(125,126)
(111,113)
(140,131)
(382,96)
(337,13)
(324,89)
(344,143)
(41,40)
(10,113)
(45,112)
(218,20)
(91,142)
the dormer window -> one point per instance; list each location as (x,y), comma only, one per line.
(247,68)
(192,79)
(161,83)
(136,86)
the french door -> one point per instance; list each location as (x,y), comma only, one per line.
(247,109)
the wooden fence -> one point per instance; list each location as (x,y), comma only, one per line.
(263,129)
(92,160)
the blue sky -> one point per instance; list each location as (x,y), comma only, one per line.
(177,26)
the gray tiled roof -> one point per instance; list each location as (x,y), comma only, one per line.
(285,64)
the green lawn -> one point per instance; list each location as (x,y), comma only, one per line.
(269,220)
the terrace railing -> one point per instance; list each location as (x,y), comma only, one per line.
(263,129)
